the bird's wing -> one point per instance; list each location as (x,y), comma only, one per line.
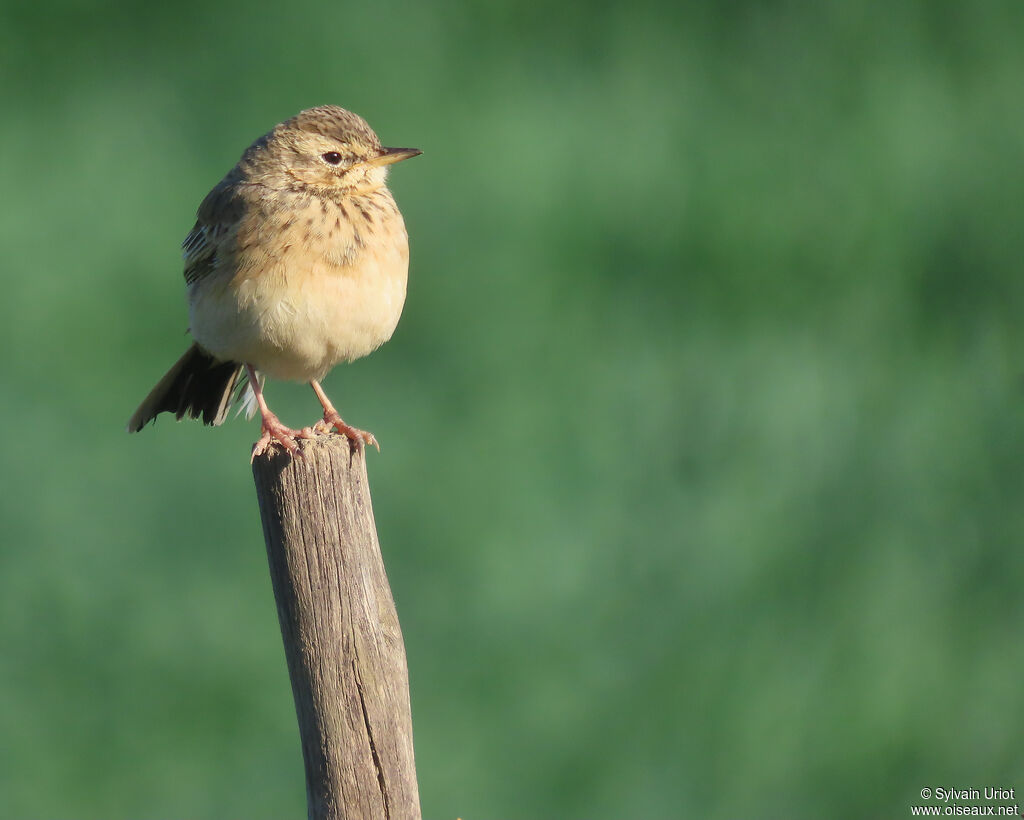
(200,252)
(216,224)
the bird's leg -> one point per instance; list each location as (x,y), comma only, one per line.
(272,428)
(332,421)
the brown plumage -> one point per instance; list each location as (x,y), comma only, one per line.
(298,261)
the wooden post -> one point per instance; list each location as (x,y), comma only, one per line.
(342,640)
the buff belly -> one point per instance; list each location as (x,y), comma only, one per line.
(296,324)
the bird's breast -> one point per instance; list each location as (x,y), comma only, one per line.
(303,288)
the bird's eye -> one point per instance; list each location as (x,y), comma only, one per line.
(331,157)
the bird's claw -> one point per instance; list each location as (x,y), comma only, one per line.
(332,422)
(274,431)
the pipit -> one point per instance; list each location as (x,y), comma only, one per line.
(298,261)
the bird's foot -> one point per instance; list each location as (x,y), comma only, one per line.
(273,430)
(332,423)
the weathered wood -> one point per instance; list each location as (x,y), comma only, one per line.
(342,640)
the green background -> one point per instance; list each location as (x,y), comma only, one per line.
(703,430)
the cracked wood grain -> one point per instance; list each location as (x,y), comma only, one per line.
(342,640)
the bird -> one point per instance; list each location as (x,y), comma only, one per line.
(298,261)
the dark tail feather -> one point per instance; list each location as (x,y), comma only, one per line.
(197,385)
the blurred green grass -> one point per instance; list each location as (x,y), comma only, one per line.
(701,433)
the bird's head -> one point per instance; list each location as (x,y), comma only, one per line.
(325,149)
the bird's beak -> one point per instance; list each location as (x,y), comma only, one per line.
(389,156)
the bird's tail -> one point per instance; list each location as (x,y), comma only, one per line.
(197,385)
